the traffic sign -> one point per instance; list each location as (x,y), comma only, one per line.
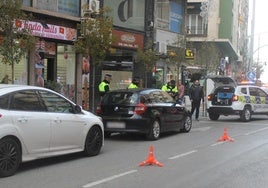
(251,76)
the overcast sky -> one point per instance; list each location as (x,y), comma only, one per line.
(261,34)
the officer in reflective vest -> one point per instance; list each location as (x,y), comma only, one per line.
(171,88)
(104,86)
(135,83)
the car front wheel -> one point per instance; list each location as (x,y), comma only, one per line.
(154,132)
(10,157)
(187,124)
(94,141)
(246,114)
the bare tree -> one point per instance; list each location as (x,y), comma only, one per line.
(148,57)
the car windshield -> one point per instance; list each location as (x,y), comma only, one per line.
(125,98)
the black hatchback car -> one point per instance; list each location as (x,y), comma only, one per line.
(147,111)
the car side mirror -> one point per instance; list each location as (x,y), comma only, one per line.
(77,109)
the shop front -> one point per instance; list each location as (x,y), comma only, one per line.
(120,62)
(52,63)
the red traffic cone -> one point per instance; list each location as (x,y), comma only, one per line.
(225,136)
(151,159)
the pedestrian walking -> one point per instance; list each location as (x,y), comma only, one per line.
(196,94)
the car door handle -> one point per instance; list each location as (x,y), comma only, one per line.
(57,120)
(22,120)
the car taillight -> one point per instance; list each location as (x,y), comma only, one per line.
(235,98)
(98,110)
(209,97)
(140,109)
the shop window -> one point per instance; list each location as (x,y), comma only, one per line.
(20,72)
(66,70)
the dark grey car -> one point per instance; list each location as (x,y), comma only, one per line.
(147,111)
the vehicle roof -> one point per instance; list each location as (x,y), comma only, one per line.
(222,79)
(135,90)
(248,86)
(5,88)
(16,86)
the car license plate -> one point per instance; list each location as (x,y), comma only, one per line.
(116,125)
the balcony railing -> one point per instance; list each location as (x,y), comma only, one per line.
(196,31)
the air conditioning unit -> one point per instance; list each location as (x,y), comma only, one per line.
(94,6)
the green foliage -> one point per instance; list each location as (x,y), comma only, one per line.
(147,56)
(96,36)
(15,42)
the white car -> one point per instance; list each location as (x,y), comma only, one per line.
(37,122)
(227,98)
(265,89)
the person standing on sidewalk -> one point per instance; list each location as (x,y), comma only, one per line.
(180,96)
(104,86)
(196,94)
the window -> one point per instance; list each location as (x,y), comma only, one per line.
(160,97)
(162,7)
(195,25)
(55,103)
(145,99)
(261,93)
(125,98)
(244,90)
(253,91)
(26,101)
(4,101)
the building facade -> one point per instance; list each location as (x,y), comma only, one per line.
(213,33)
(220,27)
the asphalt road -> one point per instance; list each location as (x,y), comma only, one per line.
(192,160)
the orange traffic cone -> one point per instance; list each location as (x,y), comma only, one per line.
(225,136)
(151,159)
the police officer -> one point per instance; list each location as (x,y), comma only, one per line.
(104,86)
(171,88)
(165,87)
(135,83)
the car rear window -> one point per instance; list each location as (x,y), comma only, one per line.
(124,98)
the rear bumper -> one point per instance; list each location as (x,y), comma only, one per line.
(127,125)
(223,110)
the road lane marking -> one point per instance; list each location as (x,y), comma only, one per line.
(183,154)
(217,143)
(108,179)
(201,129)
(256,131)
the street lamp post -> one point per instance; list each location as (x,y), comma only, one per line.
(252,37)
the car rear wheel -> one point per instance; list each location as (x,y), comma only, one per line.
(246,114)
(213,116)
(10,157)
(154,132)
(94,141)
(187,124)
